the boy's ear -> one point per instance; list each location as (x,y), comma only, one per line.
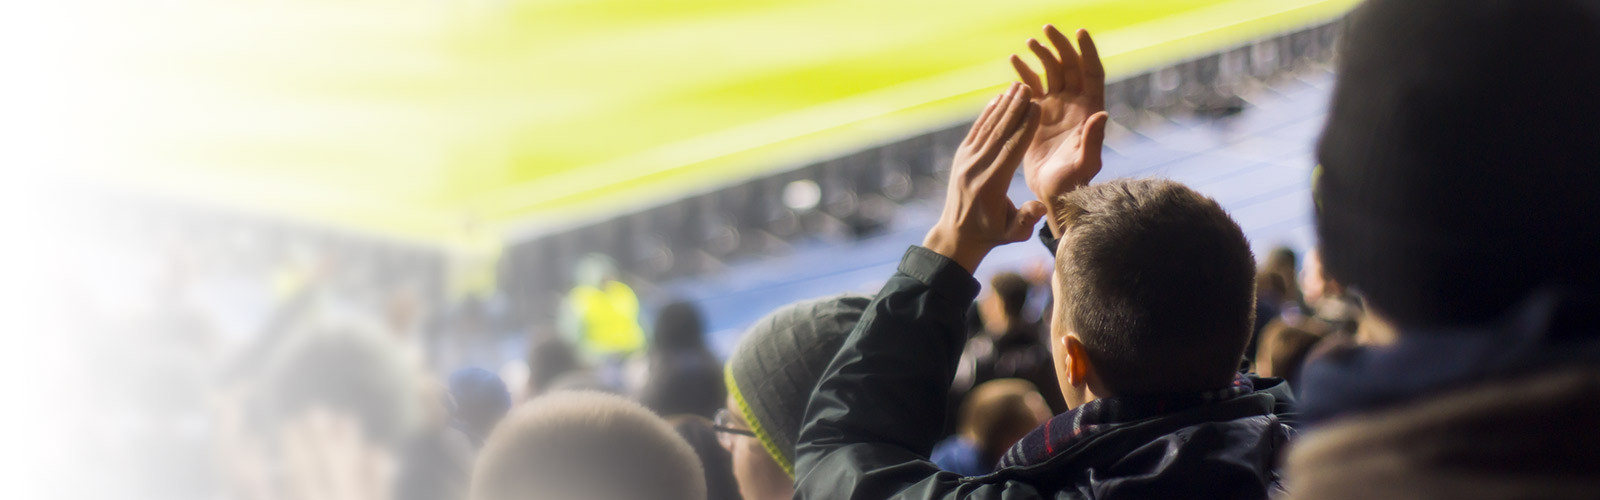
(1076,360)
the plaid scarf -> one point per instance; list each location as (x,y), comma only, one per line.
(1101,415)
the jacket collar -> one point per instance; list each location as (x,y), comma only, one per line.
(1095,417)
(1539,334)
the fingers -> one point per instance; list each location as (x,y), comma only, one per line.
(1072,80)
(994,116)
(997,153)
(1017,144)
(1094,136)
(1052,66)
(1094,73)
(1027,75)
(988,109)
(1016,101)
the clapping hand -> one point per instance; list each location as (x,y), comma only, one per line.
(1065,153)
(978,215)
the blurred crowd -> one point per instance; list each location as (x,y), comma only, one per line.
(1438,342)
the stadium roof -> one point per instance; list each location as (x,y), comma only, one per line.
(410,119)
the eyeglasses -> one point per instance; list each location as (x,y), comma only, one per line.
(724,423)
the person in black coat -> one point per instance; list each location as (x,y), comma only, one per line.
(685,377)
(1154,305)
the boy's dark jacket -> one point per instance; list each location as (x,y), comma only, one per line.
(876,414)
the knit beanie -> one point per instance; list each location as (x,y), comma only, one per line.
(1460,165)
(779,362)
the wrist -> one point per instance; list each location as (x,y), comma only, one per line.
(947,241)
(1052,203)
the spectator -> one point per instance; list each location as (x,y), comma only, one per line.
(436,464)
(1283,263)
(601,314)
(1457,192)
(1328,300)
(1010,347)
(702,435)
(995,416)
(480,399)
(549,358)
(684,376)
(342,367)
(336,402)
(588,446)
(1154,304)
(770,378)
(1271,293)
(1283,350)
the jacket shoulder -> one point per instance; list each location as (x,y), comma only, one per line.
(1225,450)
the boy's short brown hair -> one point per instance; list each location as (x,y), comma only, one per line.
(1158,282)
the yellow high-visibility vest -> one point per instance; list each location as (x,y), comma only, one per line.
(610,318)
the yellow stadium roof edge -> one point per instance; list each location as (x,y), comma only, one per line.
(640,178)
(814,134)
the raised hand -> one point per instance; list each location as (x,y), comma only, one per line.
(978,215)
(1065,153)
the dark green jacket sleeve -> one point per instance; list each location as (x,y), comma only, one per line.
(879,407)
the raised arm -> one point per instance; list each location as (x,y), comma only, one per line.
(879,407)
(1065,153)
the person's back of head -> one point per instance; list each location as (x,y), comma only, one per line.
(1281,260)
(997,413)
(1011,290)
(678,327)
(1458,165)
(480,399)
(1270,286)
(549,359)
(344,367)
(1157,282)
(682,375)
(586,446)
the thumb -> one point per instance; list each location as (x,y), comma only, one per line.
(1027,218)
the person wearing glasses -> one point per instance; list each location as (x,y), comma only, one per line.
(770,377)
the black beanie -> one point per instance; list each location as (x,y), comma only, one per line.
(779,362)
(1461,158)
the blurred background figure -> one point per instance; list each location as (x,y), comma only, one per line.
(1284,264)
(588,446)
(1010,346)
(331,411)
(1327,300)
(1283,350)
(770,379)
(479,400)
(602,313)
(1271,304)
(549,359)
(702,435)
(683,376)
(996,415)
